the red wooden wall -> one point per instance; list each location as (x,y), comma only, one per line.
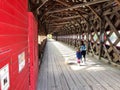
(33,51)
(14,66)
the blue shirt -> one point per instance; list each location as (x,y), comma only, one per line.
(83,48)
(78,55)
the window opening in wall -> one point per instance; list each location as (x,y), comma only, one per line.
(113,37)
(49,36)
(95,37)
(118,44)
(98,33)
(78,37)
(89,37)
(107,43)
(108,32)
(81,37)
(85,37)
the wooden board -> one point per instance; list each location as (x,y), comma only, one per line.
(55,74)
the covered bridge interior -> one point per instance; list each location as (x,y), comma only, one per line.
(29,59)
(96,22)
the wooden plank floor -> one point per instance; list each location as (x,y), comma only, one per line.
(59,71)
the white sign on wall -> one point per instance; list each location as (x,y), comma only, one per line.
(21,61)
(4,78)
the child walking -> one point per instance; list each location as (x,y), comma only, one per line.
(83,51)
(78,55)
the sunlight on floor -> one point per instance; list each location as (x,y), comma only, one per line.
(89,66)
(70,59)
(77,67)
(95,68)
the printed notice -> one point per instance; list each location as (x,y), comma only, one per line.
(4,78)
(21,61)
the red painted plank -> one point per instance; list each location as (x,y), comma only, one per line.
(33,50)
(14,44)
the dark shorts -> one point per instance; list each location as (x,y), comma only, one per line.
(83,53)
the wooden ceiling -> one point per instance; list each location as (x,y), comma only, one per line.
(57,15)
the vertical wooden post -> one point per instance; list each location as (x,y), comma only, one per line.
(88,38)
(80,33)
(102,31)
(79,36)
(56,36)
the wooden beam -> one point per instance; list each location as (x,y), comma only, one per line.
(59,23)
(78,5)
(51,7)
(113,28)
(63,3)
(118,1)
(94,12)
(115,9)
(102,31)
(106,51)
(67,18)
(113,47)
(79,13)
(82,11)
(88,41)
(42,4)
(82,17)
(69,5)
(56,26)
(51,15)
